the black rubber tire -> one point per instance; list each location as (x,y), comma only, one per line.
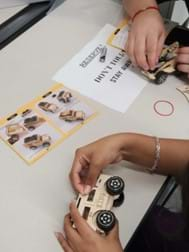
(33,147)
(118,202)
(31,128)
(115,185)
(46,145)
(13,139)
(105,220)
(160,78)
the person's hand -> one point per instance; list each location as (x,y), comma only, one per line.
(91,159)
(83,238)
(183,60)
(145,40)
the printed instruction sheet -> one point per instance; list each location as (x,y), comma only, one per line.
(103,73)
(43,123)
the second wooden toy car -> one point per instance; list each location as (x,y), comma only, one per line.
(96,207)
(14,131)
(49,107)
(72,115)
(35,141)
(165,66)
(33,122)
(64,96)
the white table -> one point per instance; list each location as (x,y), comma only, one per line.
(6,13)
(34,199)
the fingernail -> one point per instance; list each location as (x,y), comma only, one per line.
(56,234)
(87,189)
(72,203)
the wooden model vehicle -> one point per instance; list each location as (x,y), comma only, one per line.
(96,207)
(33,122)
(49,107)
(165,66)
(35,141)
(72,115)
(14,131)
(64,96)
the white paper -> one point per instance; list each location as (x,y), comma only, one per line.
(11,3)
(108,83)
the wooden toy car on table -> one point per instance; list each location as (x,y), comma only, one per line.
(165,66)
(35,141)
(48,107)
(72,115)
(96,207)
(64,96)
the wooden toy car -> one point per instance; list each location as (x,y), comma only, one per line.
(33,122)
(49,107)
(165,66)
(72,115)
(96,207)
(35,141)
(14,131)
(64,96)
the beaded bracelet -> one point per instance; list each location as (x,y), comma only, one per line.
(157,156)
(144,9)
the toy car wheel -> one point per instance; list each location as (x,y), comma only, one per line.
(118,202)
(31,128)
(13,139)
(161,77)
(46,145)
(105,220)
(33,147)
(115,185)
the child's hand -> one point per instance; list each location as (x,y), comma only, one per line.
(83,238)
(183,60)
(146,39)
(91,159)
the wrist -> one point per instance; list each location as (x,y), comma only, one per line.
(143,11)
(127,143)
(132,6)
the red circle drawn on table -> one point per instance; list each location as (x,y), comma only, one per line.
(167,102)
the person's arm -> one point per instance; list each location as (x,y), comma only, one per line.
(147,33)
(132,6)
(140,149)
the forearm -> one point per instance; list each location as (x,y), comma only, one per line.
(132,6)
(140,149)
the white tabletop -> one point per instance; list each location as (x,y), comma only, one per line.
(6,13)
(34,199)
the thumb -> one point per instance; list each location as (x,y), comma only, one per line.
(93,173)
(114,233)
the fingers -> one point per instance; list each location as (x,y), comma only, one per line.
(183,60)
(94,170)
(114,233)
(71,234)
(183,68)
(184,50)
(151,47)
(160,46)
(81,225)
(64,244)
(130,48)
(140,53)
(76,172)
